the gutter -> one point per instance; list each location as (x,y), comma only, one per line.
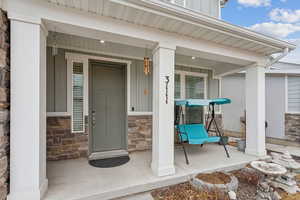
(284,53)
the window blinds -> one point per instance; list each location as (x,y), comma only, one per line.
(77,95)
(294,93)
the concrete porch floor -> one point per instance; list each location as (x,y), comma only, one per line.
(77,180)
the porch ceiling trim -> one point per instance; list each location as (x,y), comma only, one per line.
(172,18)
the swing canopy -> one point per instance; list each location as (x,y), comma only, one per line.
(202,102)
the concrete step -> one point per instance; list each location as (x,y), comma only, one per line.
(141,196)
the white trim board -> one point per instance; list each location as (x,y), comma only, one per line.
(139,113)
(58,114)
(66,114)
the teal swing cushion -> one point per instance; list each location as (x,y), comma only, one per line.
(195,134)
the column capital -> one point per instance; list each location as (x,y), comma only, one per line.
(28,19)
(263,64)
(13,16)
(165,45)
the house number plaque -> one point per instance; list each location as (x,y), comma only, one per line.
(167,85)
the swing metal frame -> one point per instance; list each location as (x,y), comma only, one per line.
(210,122)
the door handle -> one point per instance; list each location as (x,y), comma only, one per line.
(93,118)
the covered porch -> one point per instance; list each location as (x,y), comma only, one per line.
(175,41)
(76,179)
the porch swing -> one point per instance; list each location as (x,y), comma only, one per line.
(198,133)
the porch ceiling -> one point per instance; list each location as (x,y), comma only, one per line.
(183,58)
(172,18)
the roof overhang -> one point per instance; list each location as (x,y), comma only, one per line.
(198,25)
(175,19)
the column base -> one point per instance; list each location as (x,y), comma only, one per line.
(30,195)
(163,171)
(254,152)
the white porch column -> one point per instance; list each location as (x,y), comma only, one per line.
(163,110)
(28,110)
(255,111)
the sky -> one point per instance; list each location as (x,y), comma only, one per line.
(277,18)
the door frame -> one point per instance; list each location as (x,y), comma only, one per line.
(85,59)
(121,152)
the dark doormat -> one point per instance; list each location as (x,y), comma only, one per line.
(110,162)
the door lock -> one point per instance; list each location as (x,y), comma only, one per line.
(93,118)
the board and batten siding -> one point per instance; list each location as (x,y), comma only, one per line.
(56,81)
(141,88)
(208,7)
(275,105)
(140,84)
(211,7)
(233,87)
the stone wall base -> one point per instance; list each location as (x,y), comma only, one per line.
(4,104)
(139,133)
(292,131)
(292,127)
(62,144)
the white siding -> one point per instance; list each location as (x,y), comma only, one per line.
(233,87)
(275,105)
(294,94)
(209,7)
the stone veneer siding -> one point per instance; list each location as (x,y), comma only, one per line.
(292,127)
(4,104)
(139,133)
(62,144)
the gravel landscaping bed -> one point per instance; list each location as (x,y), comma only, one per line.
(248,180)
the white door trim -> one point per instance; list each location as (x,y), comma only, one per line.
(84,58)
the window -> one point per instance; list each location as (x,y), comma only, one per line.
(194,89)
(191,85)
(77,98)
(293,93)
(177,87)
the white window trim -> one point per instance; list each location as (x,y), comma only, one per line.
(57,114)
(287,95)
(83,58)
(220,93)
(131,113)
(182,81)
